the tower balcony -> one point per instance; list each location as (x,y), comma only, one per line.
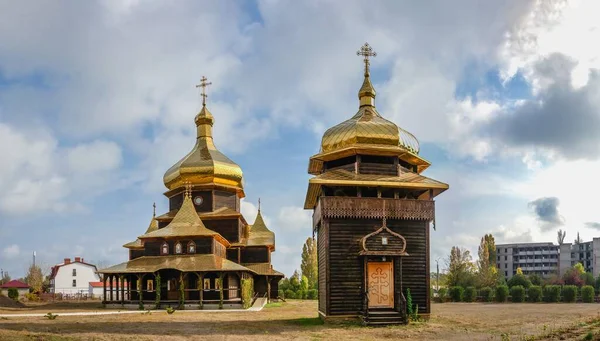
(373,208)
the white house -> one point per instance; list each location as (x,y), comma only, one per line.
(97,289)
(70,278)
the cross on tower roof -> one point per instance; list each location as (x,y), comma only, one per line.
(366,51)
(203,84)
(258,204)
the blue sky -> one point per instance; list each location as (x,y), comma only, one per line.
(97,101)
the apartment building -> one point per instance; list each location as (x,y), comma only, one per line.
(533,258)
(586,253)
(545,259)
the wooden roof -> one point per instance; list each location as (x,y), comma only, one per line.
(341,177)
(185,263)
(186,223)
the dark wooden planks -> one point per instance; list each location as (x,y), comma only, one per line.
(346,267)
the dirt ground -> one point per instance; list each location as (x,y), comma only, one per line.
(297,320)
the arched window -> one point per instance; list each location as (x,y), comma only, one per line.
(191,247)
(164,249)
(178,249)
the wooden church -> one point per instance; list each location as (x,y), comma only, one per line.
(202,254)
(372,214)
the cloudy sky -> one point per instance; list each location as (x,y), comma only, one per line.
(97,100)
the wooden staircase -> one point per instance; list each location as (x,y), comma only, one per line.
(383,317)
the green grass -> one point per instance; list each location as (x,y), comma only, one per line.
(273,305)
(308,321)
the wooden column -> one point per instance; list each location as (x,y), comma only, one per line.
(140,288)
(221,291)
(268,290)
(122,279)
(104,287)
(111,279)
(201,286)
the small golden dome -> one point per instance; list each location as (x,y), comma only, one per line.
(205,164)
(368,127)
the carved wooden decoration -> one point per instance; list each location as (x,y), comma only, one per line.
(395,244)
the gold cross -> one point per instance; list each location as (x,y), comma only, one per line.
(154,214)
(203,84)
(366,51)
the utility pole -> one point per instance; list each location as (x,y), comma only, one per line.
(437,264)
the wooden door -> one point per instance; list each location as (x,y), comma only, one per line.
(380,280)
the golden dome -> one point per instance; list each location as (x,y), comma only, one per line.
(205,164)
(367,127)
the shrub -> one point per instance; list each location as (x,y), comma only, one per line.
(312,294)
(587,294)
(442,292)
(51,316)
(569,293)
(501,293)
(281,293)
(551,293)
(248,292)
(289,294)
(470,294)
(301,294)
(170,310)
(32,297)
(486,294)
(456,293)
(409,305)
(13,293)
(517,293)
(519,279)
(534,293)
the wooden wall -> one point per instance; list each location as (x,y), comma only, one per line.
(207,203)
(228,228)
(346,267)
(322,255)
(255,255)
(225,199)
(203,246)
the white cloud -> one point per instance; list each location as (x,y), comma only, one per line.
(11,251)
(294,218)
(97,156)
(555,27)
(34,178)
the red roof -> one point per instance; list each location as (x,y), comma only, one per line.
(14,284)
(54,269)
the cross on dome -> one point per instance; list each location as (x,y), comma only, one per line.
(366,51)
(203,84)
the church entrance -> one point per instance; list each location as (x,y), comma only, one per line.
(380,281)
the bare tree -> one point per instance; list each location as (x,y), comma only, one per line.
(561,237)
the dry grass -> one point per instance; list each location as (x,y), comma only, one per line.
(297,320)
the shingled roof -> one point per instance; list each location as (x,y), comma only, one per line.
(259,234)
(186,223)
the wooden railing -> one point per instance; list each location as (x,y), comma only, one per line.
(373,208)
(401,305)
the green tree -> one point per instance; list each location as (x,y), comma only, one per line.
(295,281)
(35,278)
(579,267)
(304,284)
(309,265)
(486,264)
(460,268)
(284,284)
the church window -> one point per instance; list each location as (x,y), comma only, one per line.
(178,248)
(74,272)
(164,249)
(74,283)
(191,247)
